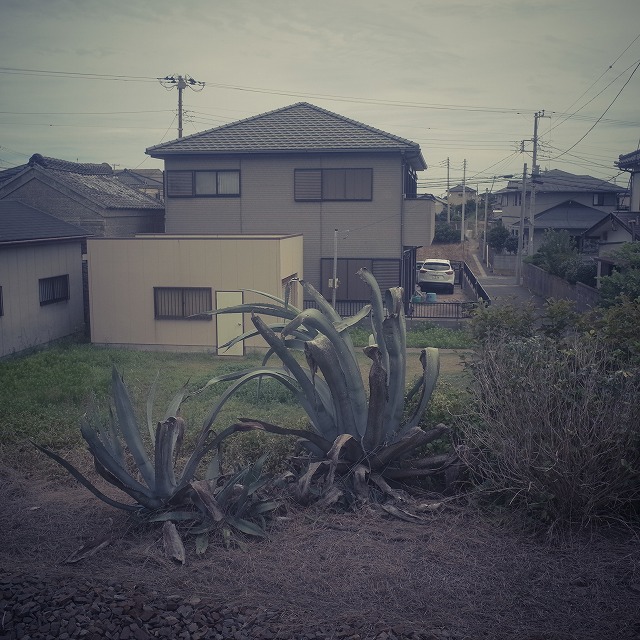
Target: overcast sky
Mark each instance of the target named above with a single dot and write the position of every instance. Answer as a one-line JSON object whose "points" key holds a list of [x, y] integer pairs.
{"points": [[461, 78]]}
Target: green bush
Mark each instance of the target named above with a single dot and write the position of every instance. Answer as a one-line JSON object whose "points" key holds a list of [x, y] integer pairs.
{"points": [[445, 233], [506, 321], [625, 281], [424, 334], [497, 236], [555, 429]]}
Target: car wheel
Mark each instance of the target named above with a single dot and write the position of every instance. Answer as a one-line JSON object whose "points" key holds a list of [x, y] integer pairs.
{"points": [[452, 288]]}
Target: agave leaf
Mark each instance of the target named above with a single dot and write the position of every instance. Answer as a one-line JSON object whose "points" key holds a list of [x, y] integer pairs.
{"points": [[330, 498], [414, 438], [360, 486], [304, 483], [347, 323], [263, 507], [83, 481], [105, 458], [320, 354], [173, 547], [334, 455], [167, 435], [276, 299], [143, 499], [322, 417], [175, 516], [129, 428], [202, 542], [245, 526], [377, 314], [214, 469], [176, 402], [346, 357], [378, 399], [150, 401], [430, 359], [204, 493], [226, 537], [394, 335]]}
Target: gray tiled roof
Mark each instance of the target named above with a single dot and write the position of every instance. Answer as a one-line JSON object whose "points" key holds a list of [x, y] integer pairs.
{"points": [[94, 181], [299, 127], [569, 215], [83, 168], [20, 223], [628, 160], [556, 180]]}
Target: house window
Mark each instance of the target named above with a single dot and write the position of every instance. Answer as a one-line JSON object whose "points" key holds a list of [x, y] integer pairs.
{"points": [[203, 184], [598, 199], [333, 184], [183, 303], [54, 289]]}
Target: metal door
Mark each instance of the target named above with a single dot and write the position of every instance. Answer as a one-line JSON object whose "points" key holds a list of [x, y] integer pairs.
{"points": [[229, 325]]}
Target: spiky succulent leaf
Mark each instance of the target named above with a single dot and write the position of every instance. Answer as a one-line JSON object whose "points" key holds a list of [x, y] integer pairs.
{"points": [[83, 481], [129, 428]]}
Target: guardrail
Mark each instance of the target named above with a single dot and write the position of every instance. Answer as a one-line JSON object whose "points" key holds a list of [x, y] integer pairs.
{"points": [[448, 310]]}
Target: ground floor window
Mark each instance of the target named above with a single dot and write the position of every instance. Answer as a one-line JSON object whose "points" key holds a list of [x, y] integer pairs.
{"points": [[55, 289], [181, 303]]}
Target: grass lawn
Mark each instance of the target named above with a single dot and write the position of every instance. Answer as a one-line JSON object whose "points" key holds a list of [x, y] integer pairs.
{"points": [[43, 395]]}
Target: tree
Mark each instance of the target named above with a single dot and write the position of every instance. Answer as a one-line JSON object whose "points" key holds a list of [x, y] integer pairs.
{"points": [[511, 244], [497, 236], [625, 281]]}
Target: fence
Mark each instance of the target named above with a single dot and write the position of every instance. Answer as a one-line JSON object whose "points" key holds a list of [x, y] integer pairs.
{"points": [[548, 286]]}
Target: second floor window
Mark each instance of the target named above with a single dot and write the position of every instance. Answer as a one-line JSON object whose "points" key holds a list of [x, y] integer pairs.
{"points": [[333, 184], [203, 184]]}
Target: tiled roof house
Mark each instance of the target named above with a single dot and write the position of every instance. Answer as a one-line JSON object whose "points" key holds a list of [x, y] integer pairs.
{"points": [[85, 194], [303, 169], [41, 284]]}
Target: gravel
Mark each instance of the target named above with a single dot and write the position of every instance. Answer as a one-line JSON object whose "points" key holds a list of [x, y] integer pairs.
{"points": [[33, 608]]}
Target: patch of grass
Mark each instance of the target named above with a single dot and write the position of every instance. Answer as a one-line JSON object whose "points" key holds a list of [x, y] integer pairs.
{"points": [[425, 334]]}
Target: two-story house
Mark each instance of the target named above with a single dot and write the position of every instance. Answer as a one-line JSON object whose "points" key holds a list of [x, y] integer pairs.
{"points": [[349, 188], [556, 187]]}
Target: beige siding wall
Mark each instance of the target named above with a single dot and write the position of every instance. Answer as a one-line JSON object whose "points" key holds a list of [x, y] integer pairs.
{"points": [[25, 323], [267, 205], [419, 222], [123, 273]]}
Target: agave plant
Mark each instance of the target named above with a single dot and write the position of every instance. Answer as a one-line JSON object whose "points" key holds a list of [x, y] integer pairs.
{"points": [[160, 492], [364, 432]]}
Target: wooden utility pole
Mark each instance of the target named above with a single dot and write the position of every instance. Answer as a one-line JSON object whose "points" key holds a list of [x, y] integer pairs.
{"points": [[535, 172], [464, 199]]}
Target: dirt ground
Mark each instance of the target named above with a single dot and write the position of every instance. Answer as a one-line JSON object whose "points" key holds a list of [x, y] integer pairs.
{"points": [[455, 573]]}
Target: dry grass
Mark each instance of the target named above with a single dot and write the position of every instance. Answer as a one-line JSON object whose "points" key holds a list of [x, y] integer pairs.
{"points": [[456, 570]]}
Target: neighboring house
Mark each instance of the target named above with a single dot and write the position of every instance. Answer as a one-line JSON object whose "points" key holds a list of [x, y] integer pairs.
{"points": [[88, 195], [555, 187], [631, 162], [570, 216], [610, 234], [461, 193], [147, 292], [147, 181], [41, 290], [439, 204], [349, 188]]}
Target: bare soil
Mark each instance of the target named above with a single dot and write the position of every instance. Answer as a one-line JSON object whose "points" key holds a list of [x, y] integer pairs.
{"points": [[456, 573]]}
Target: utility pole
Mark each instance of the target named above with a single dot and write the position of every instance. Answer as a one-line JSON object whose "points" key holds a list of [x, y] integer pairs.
{"points": [[521, 229], [477, 190], [448, 198], [484, 233], [181, 83], [464, 200]]}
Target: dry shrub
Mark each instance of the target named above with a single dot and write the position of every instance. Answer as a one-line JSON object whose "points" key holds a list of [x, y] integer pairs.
{"points": [[556, 428]]}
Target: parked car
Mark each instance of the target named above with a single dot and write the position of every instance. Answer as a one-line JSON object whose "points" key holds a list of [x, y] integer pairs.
{"points": [[436, 273]]}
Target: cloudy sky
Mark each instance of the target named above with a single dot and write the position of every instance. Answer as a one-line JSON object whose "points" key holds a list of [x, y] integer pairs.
{"points": [[463, 78]]}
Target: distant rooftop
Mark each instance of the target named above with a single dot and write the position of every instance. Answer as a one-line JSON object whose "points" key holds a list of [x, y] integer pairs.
{"points": [[561, 181], [96, 182]]}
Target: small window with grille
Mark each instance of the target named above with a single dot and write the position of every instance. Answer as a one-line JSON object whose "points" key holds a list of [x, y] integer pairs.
{"points": [[181, 303], [54, 289]]}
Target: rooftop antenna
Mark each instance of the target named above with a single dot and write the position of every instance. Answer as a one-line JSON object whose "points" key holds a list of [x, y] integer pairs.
{"points": [[181, 82]]}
